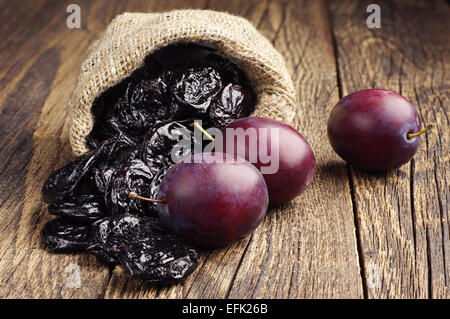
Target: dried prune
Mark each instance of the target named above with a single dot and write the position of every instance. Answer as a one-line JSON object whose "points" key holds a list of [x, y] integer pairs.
{"points": [[85, 186], [172, 140], [232, 103], [63, 181], [153, 94], [158, 162], [102, 177], [161, 258], [177, 82], [111, 233], [82, 208], [143, 247], [133, 176], [114, 147], [154, 188], [196, 87], [112, 154], [101, 110], [115, 151], [67, 179], [144, 104], [99, 133], [61, 235]]}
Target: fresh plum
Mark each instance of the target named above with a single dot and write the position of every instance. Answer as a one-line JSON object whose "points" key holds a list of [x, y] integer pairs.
{"points": [[283, 156], [212, 199], [375, 130]]}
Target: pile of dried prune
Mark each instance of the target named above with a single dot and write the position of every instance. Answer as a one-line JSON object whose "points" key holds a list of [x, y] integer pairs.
{"points": [[179, 82], [138, 125]]}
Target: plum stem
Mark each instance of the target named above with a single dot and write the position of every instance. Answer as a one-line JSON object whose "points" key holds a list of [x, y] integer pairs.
{"points": [[201, 129], [134, 195], [411, 135]]}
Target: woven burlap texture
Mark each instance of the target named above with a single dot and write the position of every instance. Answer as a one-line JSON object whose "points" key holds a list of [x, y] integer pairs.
{"points": [[132, 36]]}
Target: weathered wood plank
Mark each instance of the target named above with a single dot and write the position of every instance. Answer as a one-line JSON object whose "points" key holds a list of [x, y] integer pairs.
{"points": [[428, 85], [306, 249], [34, 143], [34, 273], [403, 214]]}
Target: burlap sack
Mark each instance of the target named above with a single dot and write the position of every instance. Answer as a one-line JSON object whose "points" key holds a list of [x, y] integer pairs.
{"points": [[132, 36]]}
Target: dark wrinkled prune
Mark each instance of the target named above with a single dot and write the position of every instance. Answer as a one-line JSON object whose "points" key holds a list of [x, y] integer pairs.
{"points": [[62, 235], [196, 87], [117, 150], [63, 181], [232, 103], [156, 255], [112, 154], [154, 96], [115, 146], [133, 176], [154, 188], [162, 258], [158, 162], [177, 82], [143, 247], [76, 176], [144, 104], [111, 233], [82, 208], [102, 177], [85, 186], [101, 132], [166, 139], [101, 110]]}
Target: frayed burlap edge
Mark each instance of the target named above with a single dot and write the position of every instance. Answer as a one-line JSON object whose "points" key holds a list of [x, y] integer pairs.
{"points": [[132, 36]]}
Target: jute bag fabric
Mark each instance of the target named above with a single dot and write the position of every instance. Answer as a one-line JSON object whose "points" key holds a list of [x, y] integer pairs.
{"points": [[132, 36]]}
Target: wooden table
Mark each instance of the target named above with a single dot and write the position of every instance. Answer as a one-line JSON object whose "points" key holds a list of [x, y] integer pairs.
{"points": [[350, 235]]}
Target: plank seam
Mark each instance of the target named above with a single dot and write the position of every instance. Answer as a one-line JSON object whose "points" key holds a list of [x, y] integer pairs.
{"points": [[352, 191], [427, 234], [413, 209], [238, 267], [441, 215], [358, 236], [110, 274]]}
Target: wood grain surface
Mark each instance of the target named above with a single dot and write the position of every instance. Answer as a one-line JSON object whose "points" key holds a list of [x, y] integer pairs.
{"points": [[350, 235], [402, 215]]}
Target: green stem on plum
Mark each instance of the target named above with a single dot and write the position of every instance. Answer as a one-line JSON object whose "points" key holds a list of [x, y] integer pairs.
{"points": [[134, 195], [411, 135], [201, 129]]}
